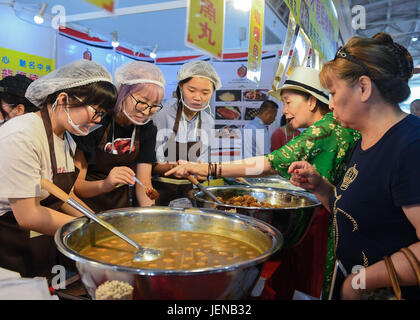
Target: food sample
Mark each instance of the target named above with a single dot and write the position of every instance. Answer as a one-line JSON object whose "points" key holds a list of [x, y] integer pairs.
{"points": [[182, 250], [152, 193], [247, 201], [114, 290], [252, 202]]}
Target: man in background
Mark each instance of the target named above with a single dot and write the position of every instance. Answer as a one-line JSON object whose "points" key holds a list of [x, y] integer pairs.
{"points": [[255, 137], [415, 107]]}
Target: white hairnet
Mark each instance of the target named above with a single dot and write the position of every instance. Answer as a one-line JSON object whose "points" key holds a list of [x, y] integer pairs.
{"points": [[138, 72], [199, 68], [74, 74]]}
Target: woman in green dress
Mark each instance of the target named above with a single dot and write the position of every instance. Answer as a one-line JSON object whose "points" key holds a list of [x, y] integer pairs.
{"points": [[324, 144]]}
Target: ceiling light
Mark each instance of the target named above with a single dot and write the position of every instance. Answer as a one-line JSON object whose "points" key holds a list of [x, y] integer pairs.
{"points": [[243, 5], [153, 54], [414, 39], [115, 42], [39, 19]]}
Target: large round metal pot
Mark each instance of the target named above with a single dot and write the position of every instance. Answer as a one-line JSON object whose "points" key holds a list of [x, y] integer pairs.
{"points": [[292, 221], [227, 282]]}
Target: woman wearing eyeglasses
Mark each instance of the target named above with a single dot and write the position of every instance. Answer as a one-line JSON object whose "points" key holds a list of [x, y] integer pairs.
{"points": [[37, 145], [185, 129], [125, 145]]}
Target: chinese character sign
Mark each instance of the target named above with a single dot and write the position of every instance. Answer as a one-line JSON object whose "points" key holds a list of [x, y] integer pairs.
{"points": [[256, 27], [205, 26], [15, 62], [104, 4]]}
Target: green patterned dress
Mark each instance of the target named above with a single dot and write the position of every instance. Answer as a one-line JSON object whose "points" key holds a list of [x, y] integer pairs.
{"points": [[325, 145]]}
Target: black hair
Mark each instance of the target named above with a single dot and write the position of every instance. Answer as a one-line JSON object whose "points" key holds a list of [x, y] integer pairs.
{"points": [[16, 100], [268, 105], [389, 65], [12, 91], [178, 90], [100, 93]]}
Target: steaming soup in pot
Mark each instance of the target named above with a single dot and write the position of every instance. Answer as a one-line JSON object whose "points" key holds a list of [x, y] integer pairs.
{"points": [[182, 250]]}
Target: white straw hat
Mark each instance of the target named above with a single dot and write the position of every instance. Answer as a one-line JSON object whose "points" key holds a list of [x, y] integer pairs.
{"points": [[304, 79]]}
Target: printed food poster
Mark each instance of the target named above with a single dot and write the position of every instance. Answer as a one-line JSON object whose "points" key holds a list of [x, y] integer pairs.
{"points": [[250, 113], [255, 95], [228, 113], [237, 103], [225, 131], [228, 95]]}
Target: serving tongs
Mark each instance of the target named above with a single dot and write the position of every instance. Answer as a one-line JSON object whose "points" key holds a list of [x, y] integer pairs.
{"points": [[204, 189], [243, 180], [142, 254]]}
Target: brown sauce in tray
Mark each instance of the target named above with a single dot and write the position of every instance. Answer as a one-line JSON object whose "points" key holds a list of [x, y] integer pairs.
{"points": [[182, 250]]}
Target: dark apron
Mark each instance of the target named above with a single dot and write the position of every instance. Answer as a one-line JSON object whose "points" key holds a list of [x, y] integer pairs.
{"points": [[171, 188], [120, 197], [35, 256]]}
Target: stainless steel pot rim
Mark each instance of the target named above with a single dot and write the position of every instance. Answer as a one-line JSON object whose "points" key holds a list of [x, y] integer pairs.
{"points": [[62, 234], [294, 192]]}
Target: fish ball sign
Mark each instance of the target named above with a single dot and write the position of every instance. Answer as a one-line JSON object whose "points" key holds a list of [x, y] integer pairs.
{"points": [[205, 26]]}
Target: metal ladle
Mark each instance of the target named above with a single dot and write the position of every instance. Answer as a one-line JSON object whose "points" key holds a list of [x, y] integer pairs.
{"points": [[142, 254]]}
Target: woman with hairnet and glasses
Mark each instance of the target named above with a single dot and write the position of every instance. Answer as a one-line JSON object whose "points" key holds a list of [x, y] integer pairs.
{"points": [[184, 130], [37, 145], [125, 145]]}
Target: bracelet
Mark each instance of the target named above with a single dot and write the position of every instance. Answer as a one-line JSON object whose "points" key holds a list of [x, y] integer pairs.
{"points": [[393, 277], [415, 264]]}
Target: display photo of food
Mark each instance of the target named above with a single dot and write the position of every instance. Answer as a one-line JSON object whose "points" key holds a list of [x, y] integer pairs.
{"points": [[228, 113], [255, 95], [250, 113], [227, 131], [228, 95]]}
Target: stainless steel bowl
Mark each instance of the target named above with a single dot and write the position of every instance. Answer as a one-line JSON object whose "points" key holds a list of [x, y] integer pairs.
{"points": [[272, 181], [227, 282], [292, 221]]}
